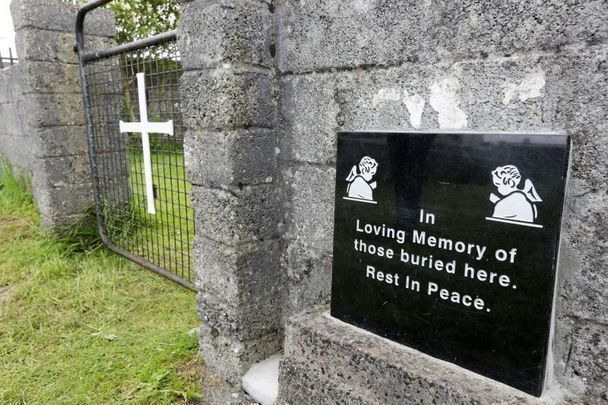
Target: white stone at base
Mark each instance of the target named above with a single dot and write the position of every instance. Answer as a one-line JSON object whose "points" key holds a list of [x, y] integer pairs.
{"points": [[262, 380]]}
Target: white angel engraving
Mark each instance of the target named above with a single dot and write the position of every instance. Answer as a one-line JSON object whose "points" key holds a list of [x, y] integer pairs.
{"points": [[513, 203], [359, 186]]}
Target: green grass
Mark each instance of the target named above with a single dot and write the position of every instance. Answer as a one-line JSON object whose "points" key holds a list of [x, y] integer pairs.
{"points": [[79, 324], [163, 238]]}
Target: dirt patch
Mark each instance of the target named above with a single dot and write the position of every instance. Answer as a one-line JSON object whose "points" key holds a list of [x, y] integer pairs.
{"points": [[5, 292], [191, 371], [217, 392]]}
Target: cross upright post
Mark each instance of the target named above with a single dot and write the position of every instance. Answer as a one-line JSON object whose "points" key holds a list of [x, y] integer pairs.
{"points": [[145, 128]]}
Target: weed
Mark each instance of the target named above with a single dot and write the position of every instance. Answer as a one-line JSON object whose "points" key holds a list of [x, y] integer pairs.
{"points": [[81, 236]]}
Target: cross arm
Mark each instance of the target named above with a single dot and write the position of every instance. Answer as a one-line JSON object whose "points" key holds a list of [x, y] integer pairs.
{"points": [[149, 127]]}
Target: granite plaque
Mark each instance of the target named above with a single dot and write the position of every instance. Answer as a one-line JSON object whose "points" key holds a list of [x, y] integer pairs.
{"points": [[448, 242]]}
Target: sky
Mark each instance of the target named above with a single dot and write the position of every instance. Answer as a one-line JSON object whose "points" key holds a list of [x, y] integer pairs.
{"points": [[7, 35]]}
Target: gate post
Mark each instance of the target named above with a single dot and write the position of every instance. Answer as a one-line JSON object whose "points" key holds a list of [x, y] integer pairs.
{"points": [[53, 130], [231, 152]]}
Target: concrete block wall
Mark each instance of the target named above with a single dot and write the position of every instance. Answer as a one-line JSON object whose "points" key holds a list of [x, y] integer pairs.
{"points": [[486, 65], [268, 85], [331, 362], [12, 142], [228, 103], [42, 131]]}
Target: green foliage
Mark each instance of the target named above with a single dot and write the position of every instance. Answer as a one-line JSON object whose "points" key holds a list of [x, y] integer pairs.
{"points": [[137, 19], [121, 224], [15, 191], [81, 236], [88, 327]]}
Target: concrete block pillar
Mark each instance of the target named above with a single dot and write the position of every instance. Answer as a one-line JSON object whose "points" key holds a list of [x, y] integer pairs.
{"points": [[231, 152], [53, 126]]}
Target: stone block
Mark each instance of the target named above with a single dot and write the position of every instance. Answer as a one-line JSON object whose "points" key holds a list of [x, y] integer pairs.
{"points": [[309, 203], [44, 110], [60, 141], [214, 33], [495, 27], [579, 104], [51, 77], [10, 119], [309, 114], [107, 136], [584, 255], [240, 287], [507, 94], [59, 16], [322, 35], [230, 158], [61, 205], [225, 98], [389, 98], [53, 46], [61, 171], [233, 215], [17, 150], [310, 192], [589, 361], [105, 79], [499, 95], [296, 387], [309, 276], [231, 358], [328, 361], [112, 169], [10, 84]]}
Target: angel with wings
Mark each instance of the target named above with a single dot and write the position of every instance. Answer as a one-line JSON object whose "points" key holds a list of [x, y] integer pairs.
{"points": [[513, 204]]}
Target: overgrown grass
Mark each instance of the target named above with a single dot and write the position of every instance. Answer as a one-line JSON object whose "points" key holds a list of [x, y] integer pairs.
{"points": [[79, 324]]}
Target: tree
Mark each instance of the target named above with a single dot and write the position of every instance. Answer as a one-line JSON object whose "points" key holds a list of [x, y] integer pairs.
{"points": [[138, 19]]}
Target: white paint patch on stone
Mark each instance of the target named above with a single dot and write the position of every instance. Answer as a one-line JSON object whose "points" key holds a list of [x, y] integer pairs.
{"points": [[531, 87], [415, 106], [386, 94], [262, 381], [445, 101], [364, 5], [362, 39]]}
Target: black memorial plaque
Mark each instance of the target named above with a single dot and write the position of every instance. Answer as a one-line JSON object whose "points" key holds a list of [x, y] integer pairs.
{"points": [[448, 243]]}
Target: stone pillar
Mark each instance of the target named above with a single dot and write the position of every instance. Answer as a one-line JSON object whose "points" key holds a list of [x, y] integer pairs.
{"points": [[53, 117], [230, 145]]}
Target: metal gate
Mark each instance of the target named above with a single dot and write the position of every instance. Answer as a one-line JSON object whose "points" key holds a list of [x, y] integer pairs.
{"points": [[135, 139]]}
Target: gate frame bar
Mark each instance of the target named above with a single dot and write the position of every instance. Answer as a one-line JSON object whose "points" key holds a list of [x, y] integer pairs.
{"points": [[85, 58]]}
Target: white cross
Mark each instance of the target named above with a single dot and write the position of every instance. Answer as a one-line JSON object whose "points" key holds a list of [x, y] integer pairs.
{"points": [[144, 127]]}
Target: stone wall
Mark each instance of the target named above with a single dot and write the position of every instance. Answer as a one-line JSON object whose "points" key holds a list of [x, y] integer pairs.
{"points": [[228, 104], [330, 362], [13, 141], [268, 85], [481, 65], [42, 127]]}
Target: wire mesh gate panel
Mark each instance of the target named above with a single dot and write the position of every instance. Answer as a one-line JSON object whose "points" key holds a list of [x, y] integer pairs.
{"points": [[135, 133]]}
